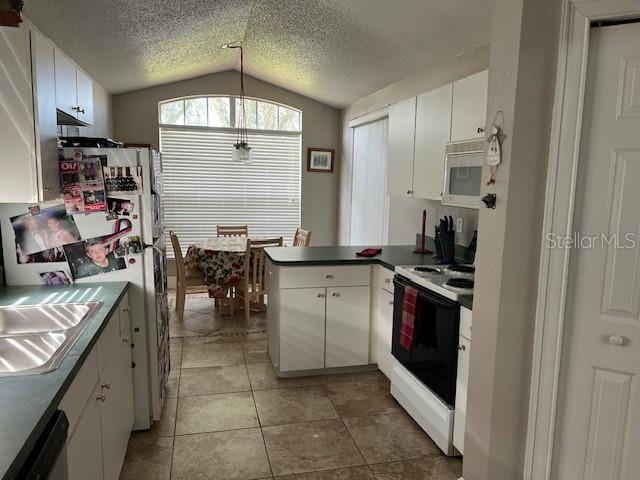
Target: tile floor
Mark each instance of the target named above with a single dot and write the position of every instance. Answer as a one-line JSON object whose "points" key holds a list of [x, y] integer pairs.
{"points": [[229, 418]]}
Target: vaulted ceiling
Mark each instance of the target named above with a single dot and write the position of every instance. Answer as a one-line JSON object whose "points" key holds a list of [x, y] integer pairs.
{"points": [[334, 51]]}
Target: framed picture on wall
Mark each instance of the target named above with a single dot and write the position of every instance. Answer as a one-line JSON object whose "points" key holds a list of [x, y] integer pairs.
{"points": [[320, 160]]}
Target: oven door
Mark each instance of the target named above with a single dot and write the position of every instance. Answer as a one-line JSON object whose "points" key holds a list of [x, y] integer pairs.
{"points": [[434, 355], [463, 179]]}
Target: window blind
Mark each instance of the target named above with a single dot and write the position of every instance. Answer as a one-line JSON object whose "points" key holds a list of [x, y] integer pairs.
{"points": [[204, 188]]}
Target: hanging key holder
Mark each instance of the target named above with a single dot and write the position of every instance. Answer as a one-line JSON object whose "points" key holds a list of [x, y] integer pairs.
{"points": [[495, 140]]}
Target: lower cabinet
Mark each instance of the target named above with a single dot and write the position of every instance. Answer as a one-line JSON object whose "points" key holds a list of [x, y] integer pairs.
{"points": [[462, 379], [384, 331], [347, 321], [100, 425], [323, 326]]}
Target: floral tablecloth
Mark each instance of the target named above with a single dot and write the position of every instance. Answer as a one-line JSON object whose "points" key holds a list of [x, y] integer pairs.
{"points": [[222, 261]]}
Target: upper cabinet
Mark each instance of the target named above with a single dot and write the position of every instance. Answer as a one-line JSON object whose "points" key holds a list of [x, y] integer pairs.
{"points": [[420, 127], [401, 147], [433, 131], [74, 89], [18, 182], [469, 106]]}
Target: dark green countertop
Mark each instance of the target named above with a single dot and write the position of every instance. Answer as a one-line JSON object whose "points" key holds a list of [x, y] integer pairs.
{"points": [[466, 301], [28, 402], [391, 256]]}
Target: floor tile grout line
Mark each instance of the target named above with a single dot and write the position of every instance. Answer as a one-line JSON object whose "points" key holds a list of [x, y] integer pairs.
{"points": [[175, 420]]}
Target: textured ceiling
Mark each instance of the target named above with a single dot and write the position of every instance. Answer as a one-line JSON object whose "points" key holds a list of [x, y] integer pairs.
{"points": [[335, 51]]}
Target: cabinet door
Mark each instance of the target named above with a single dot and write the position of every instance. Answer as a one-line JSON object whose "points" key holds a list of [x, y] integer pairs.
{"points": [[302, 317], [44, 92], [385, 331], [66, 84], [402, 127], [469, 106], [85, 97], [347, 334], [461, 393], [116, 410], [433, 131], [18, 182], [84, 448]]}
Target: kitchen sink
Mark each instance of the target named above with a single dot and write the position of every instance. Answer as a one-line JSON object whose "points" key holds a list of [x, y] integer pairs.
{"points": [[36, 338]]}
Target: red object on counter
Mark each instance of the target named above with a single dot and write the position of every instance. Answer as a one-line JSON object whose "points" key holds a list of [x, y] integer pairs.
{"points": [[369, 252], [423, 237]]}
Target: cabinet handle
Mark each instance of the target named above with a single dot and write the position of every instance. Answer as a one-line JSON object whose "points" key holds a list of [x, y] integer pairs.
{"points": [[321, 295], [125, 309], [387, 280], [78, 109], [480, 129], [101, 398], [335, 294], [106, 385], [617, 341], [390, 302], [125, 340], [329, 276], [462, 347], [410, 192]]}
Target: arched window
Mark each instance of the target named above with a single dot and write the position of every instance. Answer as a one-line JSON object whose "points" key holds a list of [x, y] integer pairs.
{"points": [[204, 188]]}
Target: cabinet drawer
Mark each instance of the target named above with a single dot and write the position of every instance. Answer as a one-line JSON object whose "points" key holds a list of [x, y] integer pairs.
{"points": [[110, 335], [80, 389], [332, 276], [386, 280], [465, 323]]}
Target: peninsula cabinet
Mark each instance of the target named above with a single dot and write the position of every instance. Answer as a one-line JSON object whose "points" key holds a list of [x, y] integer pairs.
{"points": [[318, 317], [99, 404]]}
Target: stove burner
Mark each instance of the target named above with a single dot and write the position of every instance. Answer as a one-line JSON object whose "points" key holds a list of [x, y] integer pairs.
{"points": [[426, 269], [462, 268], [459, 283]]}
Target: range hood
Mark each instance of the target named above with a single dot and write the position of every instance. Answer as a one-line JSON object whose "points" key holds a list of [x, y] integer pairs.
{"points": [[66, 119]]}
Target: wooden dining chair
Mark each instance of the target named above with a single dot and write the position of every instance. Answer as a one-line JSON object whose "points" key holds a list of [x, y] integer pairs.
{"points": [[190, 281], [233, 231], [302, 238], [253, 286]]}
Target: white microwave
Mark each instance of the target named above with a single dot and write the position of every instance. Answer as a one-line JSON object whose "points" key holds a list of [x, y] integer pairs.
{"points": [[463, 173]]}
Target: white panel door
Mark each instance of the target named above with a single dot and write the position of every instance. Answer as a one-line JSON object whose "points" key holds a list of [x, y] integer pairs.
{"points": [[402, 128], [347, 334], [598, 421], [18, 182], [469, 106], [384, 332], [66, 84], [84, 87], [302, 316], [84, 448], [433, 131]]}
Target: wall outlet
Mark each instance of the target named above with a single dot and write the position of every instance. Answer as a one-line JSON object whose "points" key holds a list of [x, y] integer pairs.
{"points": [[458, 225]]}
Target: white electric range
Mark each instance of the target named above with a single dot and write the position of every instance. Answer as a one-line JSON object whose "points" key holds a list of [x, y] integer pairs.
{"points": [[450, 281]]}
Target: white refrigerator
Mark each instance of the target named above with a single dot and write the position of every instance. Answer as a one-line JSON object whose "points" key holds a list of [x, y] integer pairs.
{"points": [[134, 176]]}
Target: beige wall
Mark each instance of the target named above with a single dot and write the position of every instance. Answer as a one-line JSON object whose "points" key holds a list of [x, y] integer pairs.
{"points": [[405, 214], [136, 120], [521, 84]]}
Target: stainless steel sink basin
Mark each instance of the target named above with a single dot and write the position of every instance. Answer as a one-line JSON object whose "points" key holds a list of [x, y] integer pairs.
{"points": [[36, 338]]}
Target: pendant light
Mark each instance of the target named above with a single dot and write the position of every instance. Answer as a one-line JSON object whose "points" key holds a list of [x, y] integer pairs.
{"points": [[241, 152]]}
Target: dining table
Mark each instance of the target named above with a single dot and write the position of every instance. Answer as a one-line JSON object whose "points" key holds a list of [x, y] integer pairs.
{"points": [[222, 261]]}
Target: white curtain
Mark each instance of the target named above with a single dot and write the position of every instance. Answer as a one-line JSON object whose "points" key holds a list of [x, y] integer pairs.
{"points": [[369, 199]]}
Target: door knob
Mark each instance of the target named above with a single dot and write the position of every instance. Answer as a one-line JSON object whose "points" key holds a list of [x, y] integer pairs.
{"points": [[617, 340]]}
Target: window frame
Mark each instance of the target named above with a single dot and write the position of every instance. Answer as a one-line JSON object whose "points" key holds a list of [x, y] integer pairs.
{"points": [[232, 114]]}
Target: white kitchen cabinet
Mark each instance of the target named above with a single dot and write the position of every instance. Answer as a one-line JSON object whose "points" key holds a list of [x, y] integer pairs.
{"points": [[302, 327], [469, 110], [74, 90], [66, 83], [400, 147], [433, 131], [84, 447], [46, 128], [84, 87], [18, 182], [99, 405], [347, 326], [384, 332], [462, 379]]}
